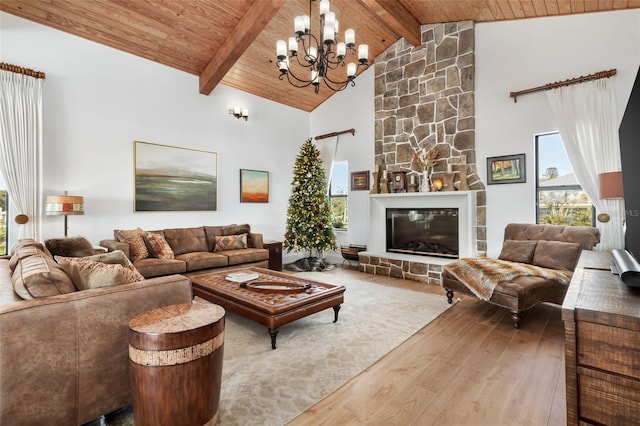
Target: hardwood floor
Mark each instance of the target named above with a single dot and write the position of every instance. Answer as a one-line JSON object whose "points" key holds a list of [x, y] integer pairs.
{"points": [[468, 367]]}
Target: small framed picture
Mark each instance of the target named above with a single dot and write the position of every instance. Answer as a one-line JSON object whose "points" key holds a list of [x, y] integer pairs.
{"points": [[360, 181], [254, 186], [506, 169]]}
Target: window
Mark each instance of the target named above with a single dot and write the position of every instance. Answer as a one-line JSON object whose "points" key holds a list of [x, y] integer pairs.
{"points": [[3, 220], [338, 195], [560, 199]]}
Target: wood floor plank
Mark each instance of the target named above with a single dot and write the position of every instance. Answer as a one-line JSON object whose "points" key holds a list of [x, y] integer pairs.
{"points": [[467, 367]]}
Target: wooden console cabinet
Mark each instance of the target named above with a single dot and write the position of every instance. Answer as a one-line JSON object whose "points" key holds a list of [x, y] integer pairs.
{"points": [[275, 254], [602, 345]]}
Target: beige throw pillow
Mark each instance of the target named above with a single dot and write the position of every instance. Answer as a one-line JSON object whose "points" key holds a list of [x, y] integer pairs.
{"points": [[87, 274]]}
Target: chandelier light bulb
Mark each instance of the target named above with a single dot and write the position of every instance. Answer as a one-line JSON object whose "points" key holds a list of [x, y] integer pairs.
{"points": [[328, 34], [351, 69], [307, 23], [281, 49], [298, 23], [363, 53], [313, 54], [350, 37], [341, 50], [293, 46], [324, 6]]}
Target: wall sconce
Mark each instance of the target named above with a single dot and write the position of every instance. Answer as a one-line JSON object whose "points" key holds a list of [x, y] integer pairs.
{"points": [[64, 205], [610, 189], [238, 112]]}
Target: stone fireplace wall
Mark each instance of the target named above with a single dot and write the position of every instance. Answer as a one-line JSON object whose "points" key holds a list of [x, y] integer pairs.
{"points": [[424, 98]]}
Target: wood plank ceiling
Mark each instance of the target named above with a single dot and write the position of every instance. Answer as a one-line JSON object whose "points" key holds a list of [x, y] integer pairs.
{"points": [[232, 42]]}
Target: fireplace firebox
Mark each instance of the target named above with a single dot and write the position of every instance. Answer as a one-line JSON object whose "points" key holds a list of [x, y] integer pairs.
{"points": [[423, 231]]}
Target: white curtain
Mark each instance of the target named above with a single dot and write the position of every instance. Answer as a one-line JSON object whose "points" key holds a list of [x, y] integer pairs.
{"points": [[21, 146], [587, 120], [327, 148]]}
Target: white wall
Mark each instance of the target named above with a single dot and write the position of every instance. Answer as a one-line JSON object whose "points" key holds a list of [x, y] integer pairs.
{"points": [[98, 100], [516, 55], [352, 108]]}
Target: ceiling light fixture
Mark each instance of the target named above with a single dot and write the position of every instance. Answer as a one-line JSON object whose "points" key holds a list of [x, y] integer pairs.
{"points": [[321, 54], [238, 112]]}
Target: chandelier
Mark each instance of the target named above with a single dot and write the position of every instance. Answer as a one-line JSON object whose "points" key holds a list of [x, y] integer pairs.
{"points": [[320, 56]]}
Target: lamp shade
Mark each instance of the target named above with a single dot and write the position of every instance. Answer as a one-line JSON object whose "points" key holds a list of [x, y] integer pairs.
{"points": [[610, 185], [64, 205]]}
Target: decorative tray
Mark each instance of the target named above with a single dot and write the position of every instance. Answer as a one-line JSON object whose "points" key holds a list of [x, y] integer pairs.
{"points": [[275, 286]]}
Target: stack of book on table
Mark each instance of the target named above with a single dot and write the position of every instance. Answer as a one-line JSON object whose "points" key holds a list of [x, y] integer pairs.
{"points": [[242, 276]]}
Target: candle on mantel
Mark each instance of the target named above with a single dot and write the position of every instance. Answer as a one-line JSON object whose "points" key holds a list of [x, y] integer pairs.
{"points": [[413, 179], [449, 168], [463, 160], [384, 174], [377, 168]]}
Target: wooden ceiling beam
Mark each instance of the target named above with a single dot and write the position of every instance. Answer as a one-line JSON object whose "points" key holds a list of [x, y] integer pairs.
{"points": [[395, 16], [241, 37]]}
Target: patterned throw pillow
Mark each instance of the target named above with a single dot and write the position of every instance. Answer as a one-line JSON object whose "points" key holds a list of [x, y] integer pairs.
{"points": [[87, 274], [231, 242], [158, 246], [135, 239]]}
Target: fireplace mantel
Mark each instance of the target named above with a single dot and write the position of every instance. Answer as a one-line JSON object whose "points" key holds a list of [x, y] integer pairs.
{"points": [[464, 201]]}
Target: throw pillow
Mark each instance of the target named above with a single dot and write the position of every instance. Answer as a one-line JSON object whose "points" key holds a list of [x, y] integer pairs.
{"points": [[135, 239], [39, 276], [70, 247], [518, 250], [158, 246], [231, 242], [556, 255], [87, 274]]}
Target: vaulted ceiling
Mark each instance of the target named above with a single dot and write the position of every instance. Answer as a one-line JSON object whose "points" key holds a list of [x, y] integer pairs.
{"points": [[232, 42]]}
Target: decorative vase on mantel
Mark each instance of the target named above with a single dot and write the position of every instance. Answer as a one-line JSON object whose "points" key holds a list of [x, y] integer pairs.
{"points": [[425, 185]]}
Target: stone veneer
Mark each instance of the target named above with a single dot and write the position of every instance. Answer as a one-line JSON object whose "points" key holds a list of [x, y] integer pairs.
{"points": [[424, 98], [405, 269]]}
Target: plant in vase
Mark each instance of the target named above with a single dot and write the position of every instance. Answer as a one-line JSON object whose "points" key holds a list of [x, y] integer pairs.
{"points": [[425, 159]]}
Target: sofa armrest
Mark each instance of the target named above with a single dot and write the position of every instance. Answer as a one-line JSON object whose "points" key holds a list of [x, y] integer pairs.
{"points": [[113, 245], [77, 344], [255, 240]]}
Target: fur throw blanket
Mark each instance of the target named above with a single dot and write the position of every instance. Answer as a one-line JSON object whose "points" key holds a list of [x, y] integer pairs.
{"points": [[482, 275]]}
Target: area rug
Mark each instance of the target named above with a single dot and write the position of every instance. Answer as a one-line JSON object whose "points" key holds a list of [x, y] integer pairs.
{"points": [[315, 356]]}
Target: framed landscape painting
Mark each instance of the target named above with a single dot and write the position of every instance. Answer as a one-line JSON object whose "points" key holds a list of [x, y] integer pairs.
{"points": [[506, 169], [254, 186], [360, 181], [169, 178]]}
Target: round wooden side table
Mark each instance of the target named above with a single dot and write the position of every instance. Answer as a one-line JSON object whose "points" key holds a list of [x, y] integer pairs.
{"points": [[175, 357]]}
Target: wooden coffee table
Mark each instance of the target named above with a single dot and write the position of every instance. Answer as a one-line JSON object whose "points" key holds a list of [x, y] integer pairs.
{"points": [[283, 299]]}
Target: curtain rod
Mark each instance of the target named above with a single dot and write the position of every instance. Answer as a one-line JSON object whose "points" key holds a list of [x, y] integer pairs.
{"points": [[21, 70], [569, 82], [329, 135]]}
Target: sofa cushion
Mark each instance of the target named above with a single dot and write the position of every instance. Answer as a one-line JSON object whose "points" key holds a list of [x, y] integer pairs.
{"points": [[202, 260], [158, 246], [87, 274], [69, 247], [231, 242], [248, 255], [40, 276], [116, 257], [153, 267], [186, 240], [236, 229], [556, 255], [21, 253], [518, 251], [212, 232], [26, 242], [135, 239]]}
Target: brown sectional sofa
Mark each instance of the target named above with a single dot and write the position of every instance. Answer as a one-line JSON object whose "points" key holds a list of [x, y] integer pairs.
{"points": [[194, 250], [64, 353]]}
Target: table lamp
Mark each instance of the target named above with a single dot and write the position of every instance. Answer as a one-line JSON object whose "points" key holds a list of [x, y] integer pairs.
{"points": [[64, 205]]}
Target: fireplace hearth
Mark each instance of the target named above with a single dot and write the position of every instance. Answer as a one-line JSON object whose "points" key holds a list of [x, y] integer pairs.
{"points": [[423, 231]]}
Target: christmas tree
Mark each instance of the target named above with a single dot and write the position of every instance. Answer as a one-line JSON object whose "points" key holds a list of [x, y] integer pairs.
{"points": [[309, 213]]}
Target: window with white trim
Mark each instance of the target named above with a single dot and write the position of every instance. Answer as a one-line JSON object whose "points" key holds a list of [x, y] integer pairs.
{"points": [[560, 199], [338, 195]]}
